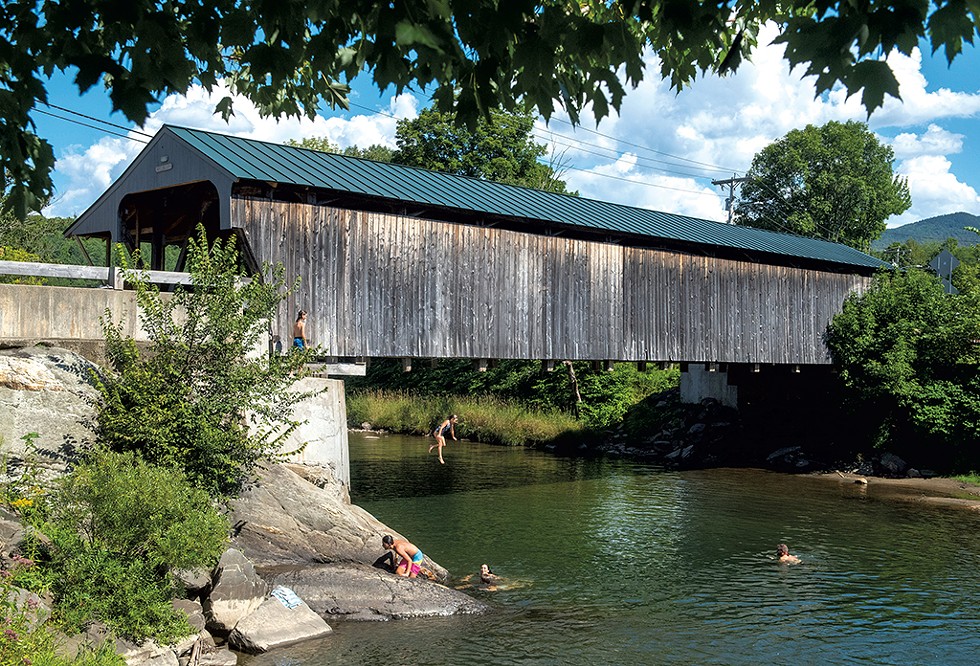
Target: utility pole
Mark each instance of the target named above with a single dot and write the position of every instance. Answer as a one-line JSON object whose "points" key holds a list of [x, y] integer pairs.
{"points": [[732, 183]]}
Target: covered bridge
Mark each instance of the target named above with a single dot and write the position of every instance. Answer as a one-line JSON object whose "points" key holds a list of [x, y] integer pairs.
{"points": [[403, 262]]}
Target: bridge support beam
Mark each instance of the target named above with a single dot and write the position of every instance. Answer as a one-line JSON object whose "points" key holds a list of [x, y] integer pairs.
{"points": [[699, 381]]}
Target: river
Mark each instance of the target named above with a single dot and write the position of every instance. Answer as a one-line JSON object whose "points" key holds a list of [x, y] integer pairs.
{"points": [[614, 562]]}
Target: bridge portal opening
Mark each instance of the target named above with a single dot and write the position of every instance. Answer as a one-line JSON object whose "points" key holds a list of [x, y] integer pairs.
{"points": [[160, 222]]}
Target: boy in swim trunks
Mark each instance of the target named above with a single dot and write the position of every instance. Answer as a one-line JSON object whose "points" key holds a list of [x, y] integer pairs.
{"points": [[299, 330], [411, 562]]}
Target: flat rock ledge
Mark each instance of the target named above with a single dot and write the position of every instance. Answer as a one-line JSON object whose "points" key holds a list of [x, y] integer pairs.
{"points": [[362, 592]]}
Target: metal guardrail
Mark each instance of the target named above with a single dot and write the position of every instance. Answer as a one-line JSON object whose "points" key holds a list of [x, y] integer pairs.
{"points": [[112, 276]]}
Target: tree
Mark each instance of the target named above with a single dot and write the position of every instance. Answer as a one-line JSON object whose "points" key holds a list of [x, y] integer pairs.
{"points": [[375, 152], [473, 56], [500, 148], [907, 354], [201, 401], [833, 182]]}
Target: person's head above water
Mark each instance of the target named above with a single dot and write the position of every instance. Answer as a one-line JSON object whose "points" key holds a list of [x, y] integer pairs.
{"points": [[387, 541], [781, 550]]}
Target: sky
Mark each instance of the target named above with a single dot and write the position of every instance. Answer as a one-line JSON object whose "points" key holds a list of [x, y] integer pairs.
{"points": [[661, 151]]}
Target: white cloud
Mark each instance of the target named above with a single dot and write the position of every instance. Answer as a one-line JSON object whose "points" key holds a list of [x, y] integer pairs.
{"points": [[627, 183], [935, 141], [919, 105], [935, 190]]}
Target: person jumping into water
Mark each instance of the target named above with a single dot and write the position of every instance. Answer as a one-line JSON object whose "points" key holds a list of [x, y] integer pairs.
{"points": [[449, 425]]}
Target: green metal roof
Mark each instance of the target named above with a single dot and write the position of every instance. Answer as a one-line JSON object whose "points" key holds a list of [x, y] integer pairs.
{"points": [[258, 160]]}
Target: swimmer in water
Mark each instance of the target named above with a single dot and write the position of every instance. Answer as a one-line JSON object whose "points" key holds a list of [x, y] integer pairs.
{"points": [[487, 576], [488, 580], [782, 554]]}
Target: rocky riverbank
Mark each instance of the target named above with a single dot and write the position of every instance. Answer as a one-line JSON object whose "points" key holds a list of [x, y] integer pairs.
{"points": [[300, 554], [710, 434]]}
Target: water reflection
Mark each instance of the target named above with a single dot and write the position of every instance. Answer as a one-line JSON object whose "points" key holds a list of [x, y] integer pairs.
{"points": [[623, 563]]}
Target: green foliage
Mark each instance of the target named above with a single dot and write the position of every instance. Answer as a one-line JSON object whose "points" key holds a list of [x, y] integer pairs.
{"points": [[23, 491], [44, 237], [204, 400], [606, 396], [26, 642], [971, 478], [484, 419], [290, 59], [500, 148], [833, 182], [16, 254], [118, 527], [375, 152], [907, 354]]}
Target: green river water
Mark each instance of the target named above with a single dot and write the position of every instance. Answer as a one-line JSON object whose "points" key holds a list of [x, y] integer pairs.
{"points": [[614, 562]]}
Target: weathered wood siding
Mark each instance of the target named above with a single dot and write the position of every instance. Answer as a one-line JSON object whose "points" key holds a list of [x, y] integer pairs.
{"points": [[388, 286]]}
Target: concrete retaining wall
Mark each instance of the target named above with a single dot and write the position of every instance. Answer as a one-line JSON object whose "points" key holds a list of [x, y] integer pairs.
{"points": [[67, 317], [324, 428]]}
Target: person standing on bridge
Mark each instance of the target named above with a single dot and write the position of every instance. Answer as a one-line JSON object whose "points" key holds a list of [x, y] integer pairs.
{"points": [[299, 330], [447, 426]]}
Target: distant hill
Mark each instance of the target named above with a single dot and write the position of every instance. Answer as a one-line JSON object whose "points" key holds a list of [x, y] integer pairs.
{"points": [[933, 229]]}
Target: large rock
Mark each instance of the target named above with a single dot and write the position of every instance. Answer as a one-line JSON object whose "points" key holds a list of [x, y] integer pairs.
{"points": [[361, 592], [147, 653], [892, 465], [217, 657], [283, 518], [48, 391], [274, 624], [237, 590]]}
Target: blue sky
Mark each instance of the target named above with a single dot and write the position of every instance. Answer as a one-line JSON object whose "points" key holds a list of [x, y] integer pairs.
{"points": [[660, 152]]}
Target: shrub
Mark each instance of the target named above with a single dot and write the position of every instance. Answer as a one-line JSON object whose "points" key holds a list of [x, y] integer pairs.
{"points": [[201, 400], [24, 641], [118, 526], [907, 354]]}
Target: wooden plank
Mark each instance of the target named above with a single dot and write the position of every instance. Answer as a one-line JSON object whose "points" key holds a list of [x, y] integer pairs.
{"points": [[393, 285]]}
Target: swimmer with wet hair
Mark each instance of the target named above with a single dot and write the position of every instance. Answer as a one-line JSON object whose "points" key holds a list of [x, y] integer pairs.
{"points": [[782, 554], [487, 576]]}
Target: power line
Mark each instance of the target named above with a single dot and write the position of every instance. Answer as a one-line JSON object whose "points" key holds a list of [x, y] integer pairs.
{"points": [[104, 122], [99, 129], [571, 168], [714, 167], [640, 182], [617, 155]]}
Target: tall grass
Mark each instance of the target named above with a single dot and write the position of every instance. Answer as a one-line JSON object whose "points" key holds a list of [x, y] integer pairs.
{"points": [[483, 419]]}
